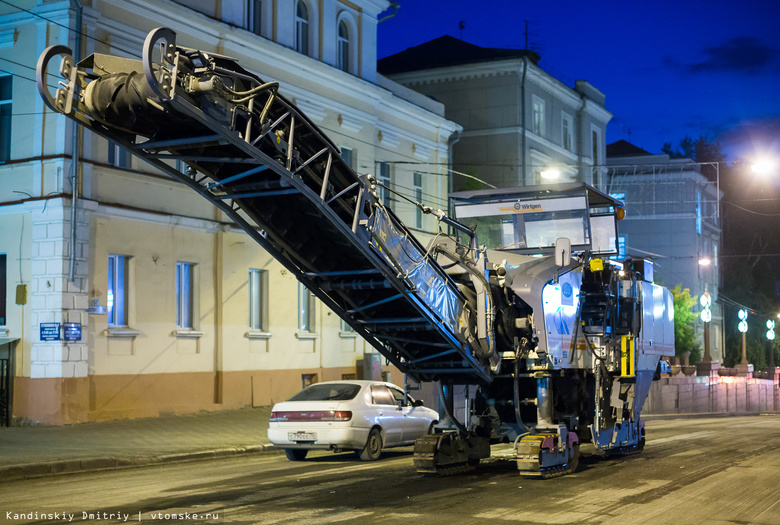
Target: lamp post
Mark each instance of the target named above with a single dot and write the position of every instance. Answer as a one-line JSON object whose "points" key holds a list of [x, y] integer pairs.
{"points": [[770, 337], [706, 317], [742, 367]]}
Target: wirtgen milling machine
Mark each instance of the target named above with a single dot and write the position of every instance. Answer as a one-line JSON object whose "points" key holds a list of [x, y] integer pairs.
{"points": [[560, 343]]}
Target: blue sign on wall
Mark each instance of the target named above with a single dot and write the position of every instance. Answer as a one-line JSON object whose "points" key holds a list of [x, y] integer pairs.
{"points": [[71, 331], [50, 331]]}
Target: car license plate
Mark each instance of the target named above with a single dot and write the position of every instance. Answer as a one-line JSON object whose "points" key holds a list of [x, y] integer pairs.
{"points": [[302, 436]]}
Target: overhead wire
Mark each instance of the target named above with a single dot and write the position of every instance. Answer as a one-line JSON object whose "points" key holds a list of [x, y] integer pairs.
{"points": [[136, 54]]}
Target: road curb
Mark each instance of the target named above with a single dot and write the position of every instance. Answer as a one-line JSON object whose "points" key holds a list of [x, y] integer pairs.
{"points": [[69, 466]]}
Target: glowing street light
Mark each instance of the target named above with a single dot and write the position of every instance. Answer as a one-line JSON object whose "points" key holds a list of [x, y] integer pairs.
{"points": [[551, 173], [763, 166], [743, 326], [705, 261]]}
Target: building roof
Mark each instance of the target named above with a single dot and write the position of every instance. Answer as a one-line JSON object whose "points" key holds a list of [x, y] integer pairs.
{"points": [[623, 148], [447, 51], [595, 196]]}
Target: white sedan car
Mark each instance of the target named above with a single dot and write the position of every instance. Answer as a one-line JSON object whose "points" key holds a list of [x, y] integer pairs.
{"points": [[364, 416]]}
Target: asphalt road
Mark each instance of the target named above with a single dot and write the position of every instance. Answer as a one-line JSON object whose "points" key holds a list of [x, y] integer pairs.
{"points": [[714, 470]]}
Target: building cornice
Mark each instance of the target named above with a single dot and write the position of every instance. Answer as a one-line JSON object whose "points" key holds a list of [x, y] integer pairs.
{"points": [[535, 75], [234, 41]]}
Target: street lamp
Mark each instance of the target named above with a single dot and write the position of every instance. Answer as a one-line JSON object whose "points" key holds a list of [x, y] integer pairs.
{"points": [[763, 166], [551, 173]]}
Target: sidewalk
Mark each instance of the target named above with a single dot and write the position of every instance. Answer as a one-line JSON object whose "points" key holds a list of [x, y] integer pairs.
{"points": [[41, 450]]}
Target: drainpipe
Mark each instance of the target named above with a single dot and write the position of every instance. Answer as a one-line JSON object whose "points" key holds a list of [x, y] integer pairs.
{"points": [[74, 179], [454, 138]]}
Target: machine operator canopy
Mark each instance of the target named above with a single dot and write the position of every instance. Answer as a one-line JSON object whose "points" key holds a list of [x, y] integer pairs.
{"points": [[529, 220]]}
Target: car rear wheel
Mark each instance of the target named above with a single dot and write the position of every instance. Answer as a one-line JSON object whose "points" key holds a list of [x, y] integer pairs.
{"points": [[295, 454], [373, 448]]}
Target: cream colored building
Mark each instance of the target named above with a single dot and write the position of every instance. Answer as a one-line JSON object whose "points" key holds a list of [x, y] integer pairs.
{"points": [[246, 334]]}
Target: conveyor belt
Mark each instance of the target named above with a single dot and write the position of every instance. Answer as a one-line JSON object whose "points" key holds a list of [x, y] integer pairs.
{"points": [[265, 165]]}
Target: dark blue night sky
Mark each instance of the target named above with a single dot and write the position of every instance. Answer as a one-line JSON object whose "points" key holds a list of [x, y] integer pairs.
{"points": [[668, 69]]}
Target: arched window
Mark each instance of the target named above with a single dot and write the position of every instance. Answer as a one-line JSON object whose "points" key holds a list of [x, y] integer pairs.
{"points": [[343, 46], [302, 28]]}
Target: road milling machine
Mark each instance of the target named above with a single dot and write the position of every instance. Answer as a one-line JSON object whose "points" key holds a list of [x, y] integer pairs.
{"points": [[521, 302]]}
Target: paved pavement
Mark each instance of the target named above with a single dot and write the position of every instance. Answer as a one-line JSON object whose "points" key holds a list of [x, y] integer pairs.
{"points": [[41, 450]]}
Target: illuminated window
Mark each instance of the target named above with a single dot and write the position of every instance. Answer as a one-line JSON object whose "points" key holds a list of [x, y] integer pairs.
{"points": [[184, 294], [117, 294], [5, 117], [306, 307], [698, 212], [258, 299], [302, 28], [343, 46]]}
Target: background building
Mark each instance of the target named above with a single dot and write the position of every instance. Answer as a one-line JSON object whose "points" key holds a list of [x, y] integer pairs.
{"points": [[673, 218], [178, 310], [518, 121]]}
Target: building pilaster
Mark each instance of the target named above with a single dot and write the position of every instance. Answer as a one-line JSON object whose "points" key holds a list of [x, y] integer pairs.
{"points": [[59, 368]]}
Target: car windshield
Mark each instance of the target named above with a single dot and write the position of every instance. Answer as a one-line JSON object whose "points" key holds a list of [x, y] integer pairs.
{"points": [[327, 392]]}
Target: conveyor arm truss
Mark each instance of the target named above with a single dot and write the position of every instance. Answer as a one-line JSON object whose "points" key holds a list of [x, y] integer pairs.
{"points": [[235, 140]]}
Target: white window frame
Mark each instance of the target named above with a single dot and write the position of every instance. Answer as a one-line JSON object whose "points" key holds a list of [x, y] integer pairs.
{"points": [[343, 48], [348, 154], [255, 16], [258, 300], [538, 116], [307, 308], [185, 295], [3, 289], [384, 176], [595, 151], [118, 156], [417, 184], [118, 291], [303, 33], [345, 330], [567, 132], [6, 110]]}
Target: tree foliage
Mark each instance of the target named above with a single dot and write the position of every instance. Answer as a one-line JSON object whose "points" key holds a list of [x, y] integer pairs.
{"points": [[698, 150], [684, 319]]}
